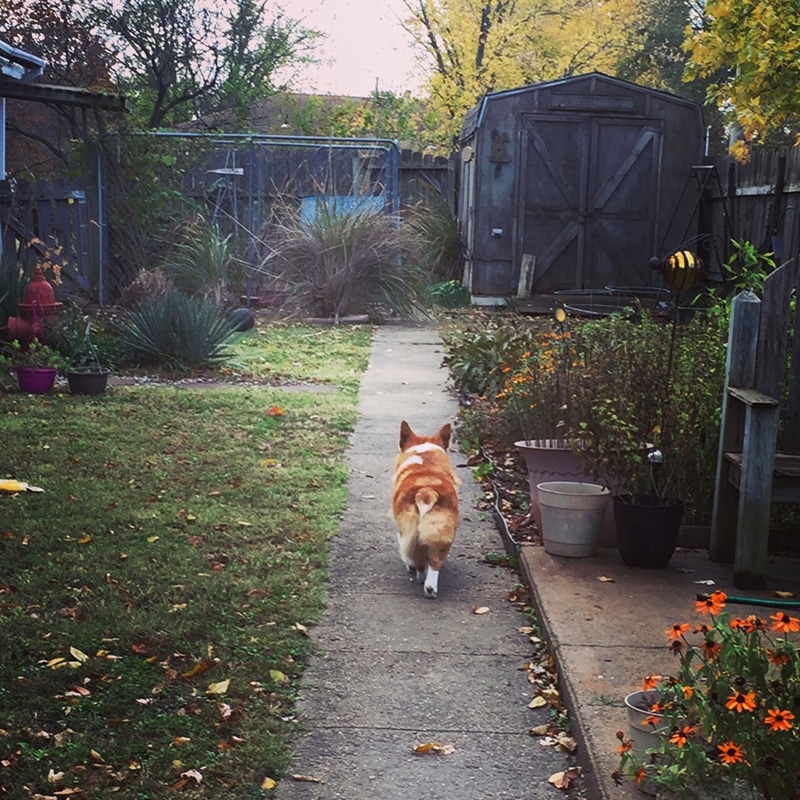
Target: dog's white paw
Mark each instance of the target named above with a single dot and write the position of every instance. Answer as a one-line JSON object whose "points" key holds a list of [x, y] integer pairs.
{"points": [[432, 583]]}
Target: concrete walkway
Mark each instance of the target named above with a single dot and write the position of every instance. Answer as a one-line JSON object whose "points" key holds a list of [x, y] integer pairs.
{"points": [[395, 669]]}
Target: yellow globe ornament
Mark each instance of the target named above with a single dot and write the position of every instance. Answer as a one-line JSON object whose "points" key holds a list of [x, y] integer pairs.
{"points": [[680, 270]]}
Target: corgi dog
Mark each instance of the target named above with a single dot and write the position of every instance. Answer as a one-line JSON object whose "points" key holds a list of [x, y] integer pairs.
{"points": [[425, 503]]}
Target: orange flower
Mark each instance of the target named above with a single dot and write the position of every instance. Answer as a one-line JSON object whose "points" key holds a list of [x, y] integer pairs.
{"points": [[712, 604], [651, 721], [640, 775], [687, 692], [778, 657], [625, 747], [783, 623], [650, 682], [779, 720], [739, 701], [681, 736], [711, 649], [730, 753], [677, 630], [743, 625]]}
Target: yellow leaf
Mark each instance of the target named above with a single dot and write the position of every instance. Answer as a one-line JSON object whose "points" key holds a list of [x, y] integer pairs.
{"points": [[152, 539], [57, 663], [268, 784], [85, 539], [306, 779], [218, 688], [78, 655], [783, 594], [191, 518], [278, 676], [537, 702], [605, 579]]}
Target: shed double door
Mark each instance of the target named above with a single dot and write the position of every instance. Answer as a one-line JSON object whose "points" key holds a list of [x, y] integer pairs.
{"points": [[588, 201]]}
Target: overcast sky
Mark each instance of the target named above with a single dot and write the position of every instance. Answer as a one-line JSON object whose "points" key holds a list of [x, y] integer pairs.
{"points": [[365, 44]]}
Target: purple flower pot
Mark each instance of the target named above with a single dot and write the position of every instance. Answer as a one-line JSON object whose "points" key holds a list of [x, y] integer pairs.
{"points": [[36, 380]]}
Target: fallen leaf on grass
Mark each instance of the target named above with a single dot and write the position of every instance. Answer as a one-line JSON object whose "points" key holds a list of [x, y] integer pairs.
{"points": [[278, 676], [433, 748], [78, 655], [218, 688], [564, 779], [268, 784], [85, 539], [199, 668]]}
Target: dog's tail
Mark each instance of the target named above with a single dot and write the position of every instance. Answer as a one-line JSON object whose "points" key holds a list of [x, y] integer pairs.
{"points": [[425, 499]]}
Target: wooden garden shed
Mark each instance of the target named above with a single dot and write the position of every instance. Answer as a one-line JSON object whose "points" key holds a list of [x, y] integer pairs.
{"points": [[582, 180]]}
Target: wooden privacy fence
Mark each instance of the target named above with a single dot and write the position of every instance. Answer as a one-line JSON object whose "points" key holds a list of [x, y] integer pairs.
{"points": [[759, 451], [44, 221]]}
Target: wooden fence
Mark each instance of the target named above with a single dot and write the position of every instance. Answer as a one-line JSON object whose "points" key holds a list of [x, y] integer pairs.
{"points": [[758, 202], [50, 223]]}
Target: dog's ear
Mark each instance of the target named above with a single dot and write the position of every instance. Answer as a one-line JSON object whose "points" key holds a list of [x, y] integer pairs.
{"points": [[405, 434], [444, 435]]}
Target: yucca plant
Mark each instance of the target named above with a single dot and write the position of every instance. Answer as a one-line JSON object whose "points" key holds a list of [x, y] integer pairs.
{"points": [[178, 332], [198, 263], [346, 263], [436, 231]]}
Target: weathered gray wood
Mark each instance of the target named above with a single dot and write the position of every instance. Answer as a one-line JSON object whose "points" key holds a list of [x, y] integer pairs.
{"points": [[791, 441], [751, 474], [755, 497], [740, 368], [771, 353]]}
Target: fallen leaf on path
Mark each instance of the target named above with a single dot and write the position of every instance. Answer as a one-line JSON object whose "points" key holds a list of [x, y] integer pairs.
{"points": [[306, 779], [480, 610], [564, 779], [268, 784], [433, 748], [783, 594], [605, 579], [537, 702]]}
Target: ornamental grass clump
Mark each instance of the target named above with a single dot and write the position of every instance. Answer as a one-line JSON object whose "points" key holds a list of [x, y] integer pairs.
{"points": [[731, 715]]}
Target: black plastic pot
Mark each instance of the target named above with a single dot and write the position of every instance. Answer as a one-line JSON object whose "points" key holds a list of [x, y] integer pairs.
{"points": [[87, 381], [647, 531]]}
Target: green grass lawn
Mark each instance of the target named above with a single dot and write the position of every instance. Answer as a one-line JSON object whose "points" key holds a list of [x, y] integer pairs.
{"points": [[154, 598]]}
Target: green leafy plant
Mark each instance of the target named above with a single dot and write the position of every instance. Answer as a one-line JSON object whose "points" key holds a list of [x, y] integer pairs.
{"points": [[35, 354], [337, 263], [12, 287], [178, 332], [199, 261], [436, 231], [747, 267], [732, 712]]}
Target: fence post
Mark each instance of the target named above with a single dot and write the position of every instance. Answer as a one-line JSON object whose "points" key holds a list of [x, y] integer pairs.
{"points": [[740, 370]]}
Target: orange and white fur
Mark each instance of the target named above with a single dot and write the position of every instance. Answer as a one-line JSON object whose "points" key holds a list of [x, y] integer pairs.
{"points": [[425, 503]]}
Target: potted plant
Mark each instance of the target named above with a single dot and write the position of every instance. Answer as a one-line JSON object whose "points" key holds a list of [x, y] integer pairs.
{"points": [[86, 372], [36, 365], [729, 717], [646, 409]]}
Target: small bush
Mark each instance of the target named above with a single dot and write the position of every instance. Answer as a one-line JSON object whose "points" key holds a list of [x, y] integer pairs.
{"points": [[178, 332], [147, 284], [439, 239], [198, 263]]}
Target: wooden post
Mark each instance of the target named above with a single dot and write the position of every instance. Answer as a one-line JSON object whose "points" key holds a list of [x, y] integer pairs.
{"points": [[526, 272], [740, 368]]}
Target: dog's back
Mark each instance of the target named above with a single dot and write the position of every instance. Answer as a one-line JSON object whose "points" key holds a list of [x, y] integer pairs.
{"points": [[425, 503]]}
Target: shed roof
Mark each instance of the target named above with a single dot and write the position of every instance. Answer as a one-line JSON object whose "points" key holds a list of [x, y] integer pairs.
{"points": [[474, 117], [18, 65]]}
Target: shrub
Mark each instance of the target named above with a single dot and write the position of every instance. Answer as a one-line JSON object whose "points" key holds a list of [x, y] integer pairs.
{"points": [[199, 261], [335, 264], [147, 284], [177, 332], [438, 238]]}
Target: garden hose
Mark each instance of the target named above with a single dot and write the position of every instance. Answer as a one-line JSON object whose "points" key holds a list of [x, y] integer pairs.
{"points": [[767, 602]]}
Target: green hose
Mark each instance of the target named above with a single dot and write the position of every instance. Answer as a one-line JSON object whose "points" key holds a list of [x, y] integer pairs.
{"points": [[756, 601]]}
